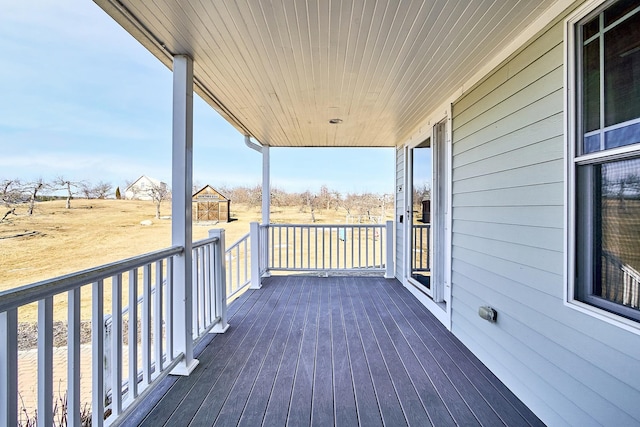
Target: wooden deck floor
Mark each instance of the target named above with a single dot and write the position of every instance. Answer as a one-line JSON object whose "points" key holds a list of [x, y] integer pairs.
{"points": [[334, 351]]}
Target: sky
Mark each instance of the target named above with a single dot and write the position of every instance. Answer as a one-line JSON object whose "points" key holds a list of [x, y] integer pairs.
{"points": [[81, 99]]}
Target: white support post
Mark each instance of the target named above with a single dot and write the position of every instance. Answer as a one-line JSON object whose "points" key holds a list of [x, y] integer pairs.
{"points": [[220, 282], [45, 361], [73, 358], [9, 368], [389, 262], [254, 232], [181, 233], [266, 186]]}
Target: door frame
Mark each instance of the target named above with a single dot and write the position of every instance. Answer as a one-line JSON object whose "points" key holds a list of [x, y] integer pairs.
{"points": [[441, 310]]}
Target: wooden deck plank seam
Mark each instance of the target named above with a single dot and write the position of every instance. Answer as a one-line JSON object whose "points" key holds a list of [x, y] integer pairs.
{"points": [[210, 351], [445, 337], [288, 307], [280, 372], [383, 304], [350, 350], [381, 352], [341, 351], [421, 393], [224, 349], [233, 367], [314, 305], [423, 349], [244, 414]]}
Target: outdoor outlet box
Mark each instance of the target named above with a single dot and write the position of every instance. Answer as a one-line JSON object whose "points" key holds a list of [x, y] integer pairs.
{"points": [[488, 313]]}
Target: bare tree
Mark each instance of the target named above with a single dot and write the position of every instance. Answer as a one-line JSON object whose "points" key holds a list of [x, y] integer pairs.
{"points": [[102, 189], [159, 192], [310, 201], [11, 192], [33, 189], [10, 195], [70, 186]]}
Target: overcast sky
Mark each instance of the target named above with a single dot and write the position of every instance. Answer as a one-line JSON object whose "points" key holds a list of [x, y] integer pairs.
{"points": [[82, 99]]}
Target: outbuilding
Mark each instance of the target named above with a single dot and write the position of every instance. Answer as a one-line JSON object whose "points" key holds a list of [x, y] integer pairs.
{"points": [[210, 205]]}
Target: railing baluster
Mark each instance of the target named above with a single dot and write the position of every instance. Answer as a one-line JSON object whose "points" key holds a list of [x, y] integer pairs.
{"points": [[360, 247], [116, 344], [9, 368], [45, 361], [97, 350], [337, 247], [133, 334], [169, 309], [202, 264], [237, 267], [157, 317], [208, 295], [194, 294], [73, 357], [146, 324]]}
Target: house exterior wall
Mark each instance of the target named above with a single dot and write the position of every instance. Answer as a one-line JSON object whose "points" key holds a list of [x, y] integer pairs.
{"points": [[508, 189], [400, 202]]}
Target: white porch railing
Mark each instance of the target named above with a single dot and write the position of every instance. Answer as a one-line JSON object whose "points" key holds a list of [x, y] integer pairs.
{"points": [[138, 361], [328, 248], [420, 243]]}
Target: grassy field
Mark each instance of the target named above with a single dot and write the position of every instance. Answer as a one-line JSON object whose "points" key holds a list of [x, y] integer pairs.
{"points": [[55, 241]]}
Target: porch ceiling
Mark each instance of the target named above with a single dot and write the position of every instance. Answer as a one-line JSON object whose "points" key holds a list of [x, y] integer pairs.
{"points": [[280, 71]]}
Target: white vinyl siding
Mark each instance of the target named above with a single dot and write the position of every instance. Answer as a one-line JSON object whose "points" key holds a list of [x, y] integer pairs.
{"points": [[399, 228], [507, 249]]}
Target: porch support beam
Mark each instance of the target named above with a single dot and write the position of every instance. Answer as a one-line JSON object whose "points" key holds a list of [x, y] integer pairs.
{"points": [[181, 232], [266, 186]]}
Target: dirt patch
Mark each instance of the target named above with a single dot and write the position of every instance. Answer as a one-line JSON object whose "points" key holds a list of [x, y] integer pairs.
{"points": [[28, 334]]}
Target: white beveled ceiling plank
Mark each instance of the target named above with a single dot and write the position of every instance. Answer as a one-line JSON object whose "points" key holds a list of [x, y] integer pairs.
{"points": [[285, 68]]}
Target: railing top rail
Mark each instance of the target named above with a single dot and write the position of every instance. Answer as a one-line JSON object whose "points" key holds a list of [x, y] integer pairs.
{"points": [[328, 225], [14, 298], [204, 242], [240, 240]]}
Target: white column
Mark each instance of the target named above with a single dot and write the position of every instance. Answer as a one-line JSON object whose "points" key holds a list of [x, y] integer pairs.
{"points": [[266, 186], [389, 262], [254, 237], [181, 233]]}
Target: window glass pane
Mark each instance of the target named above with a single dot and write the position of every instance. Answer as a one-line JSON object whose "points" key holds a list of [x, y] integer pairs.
{"points": [[591, 86], [618, 10], [622, 71], [622, 136], [617, 233], [591, 143], [591, 28]]}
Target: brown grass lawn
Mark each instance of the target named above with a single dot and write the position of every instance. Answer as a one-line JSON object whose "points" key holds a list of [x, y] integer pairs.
{"points": [[56, 241]]}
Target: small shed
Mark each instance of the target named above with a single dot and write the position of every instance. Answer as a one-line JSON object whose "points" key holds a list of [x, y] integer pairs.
{"points": [[210, 205]]}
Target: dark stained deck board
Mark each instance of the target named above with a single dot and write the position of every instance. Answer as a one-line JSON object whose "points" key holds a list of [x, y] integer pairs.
{"points": [[285, 343], [503, 402], [342, 351], [343, 387], [457, 392], [194, 388], [230, 370], [366, 400]]}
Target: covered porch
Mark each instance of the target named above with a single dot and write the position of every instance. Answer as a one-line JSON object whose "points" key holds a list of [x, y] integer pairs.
{"points": [[308, 350]]}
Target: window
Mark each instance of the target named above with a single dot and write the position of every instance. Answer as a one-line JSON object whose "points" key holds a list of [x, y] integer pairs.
{"points": [[606, 159]]}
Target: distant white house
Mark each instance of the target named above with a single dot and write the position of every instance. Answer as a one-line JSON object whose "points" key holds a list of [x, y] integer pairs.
{"points": [[141, 188]]}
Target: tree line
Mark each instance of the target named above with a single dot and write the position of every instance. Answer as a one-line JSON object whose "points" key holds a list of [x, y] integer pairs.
{"points": [[366, 206]]}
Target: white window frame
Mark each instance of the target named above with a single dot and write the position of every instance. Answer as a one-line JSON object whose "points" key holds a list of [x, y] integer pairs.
{"points": [[571, 92]]}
